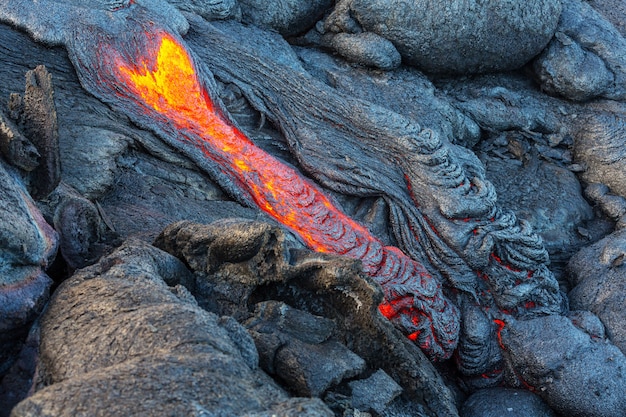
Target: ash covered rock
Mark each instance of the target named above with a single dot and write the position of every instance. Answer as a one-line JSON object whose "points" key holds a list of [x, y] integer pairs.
{"points": [[461, 37], [598, 275], [169, 356]]}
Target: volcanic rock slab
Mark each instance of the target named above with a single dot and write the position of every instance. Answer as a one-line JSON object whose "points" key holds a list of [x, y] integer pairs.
{"points": [[458, 37], [240, 263], [577, 64], [576, 373], [288, 18], [149, 346], [28, 245], [598, 274], [499, 402]]}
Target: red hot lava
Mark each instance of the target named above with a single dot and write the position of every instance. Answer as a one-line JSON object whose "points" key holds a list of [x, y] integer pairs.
{"points": [[164, 82]]}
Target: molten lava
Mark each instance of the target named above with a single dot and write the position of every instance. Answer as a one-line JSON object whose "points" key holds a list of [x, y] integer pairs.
{"points": [[166, 81]]}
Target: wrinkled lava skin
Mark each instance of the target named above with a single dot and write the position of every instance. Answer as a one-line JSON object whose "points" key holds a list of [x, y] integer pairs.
{"points": [[149, 74], [130, 54]]}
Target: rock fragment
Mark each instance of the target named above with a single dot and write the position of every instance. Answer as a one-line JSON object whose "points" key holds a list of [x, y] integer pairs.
{"points": [[374, 393], [509, 402], [301, 352], [139, 347], [28, 245], [287, 17], [598, 274], [576, 375], [599, 139], [578, 64], [36, 116], [455, 38]]}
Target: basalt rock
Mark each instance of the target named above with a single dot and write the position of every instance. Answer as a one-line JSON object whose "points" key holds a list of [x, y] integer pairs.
{"points": [[598, 274], [578, 64], [461, 37], [549, 197], [28, 245], [614, 11], [405, 91], [613, 206], [168, 356], [210, 9], [79, 224], [297, 348], [239, 263], [288, 18], [498, 402], [446, 182], [598, 144], [35, 113], [576, 373]]}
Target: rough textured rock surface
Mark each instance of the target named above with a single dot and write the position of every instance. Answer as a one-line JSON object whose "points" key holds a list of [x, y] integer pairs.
{"points": [[577, 63], [547, 196], [137, 184], [599, 145], [563, 362], [460, 37], [406, 91], [598, 275], [297, 348], [614, 11], [209, 9], [499, 402], [239, 263], [287, 17], [183, 361], [28, 245]]}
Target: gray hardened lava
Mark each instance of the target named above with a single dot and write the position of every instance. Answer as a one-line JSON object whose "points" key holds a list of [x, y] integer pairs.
{"points": [[325, 208]]}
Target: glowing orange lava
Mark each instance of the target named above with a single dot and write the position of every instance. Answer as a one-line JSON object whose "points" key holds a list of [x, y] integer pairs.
{"points": [[172, 88], [168, 84]]}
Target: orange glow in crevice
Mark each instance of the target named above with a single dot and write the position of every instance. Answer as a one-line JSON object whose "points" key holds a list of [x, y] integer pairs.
{"points": [[167, 83]]}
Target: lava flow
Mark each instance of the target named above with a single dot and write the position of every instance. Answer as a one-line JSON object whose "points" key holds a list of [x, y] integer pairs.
{"points": [[165, 83]]}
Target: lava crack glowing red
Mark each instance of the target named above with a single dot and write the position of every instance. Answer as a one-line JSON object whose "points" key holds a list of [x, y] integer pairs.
{"points": [[167, 82]]}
